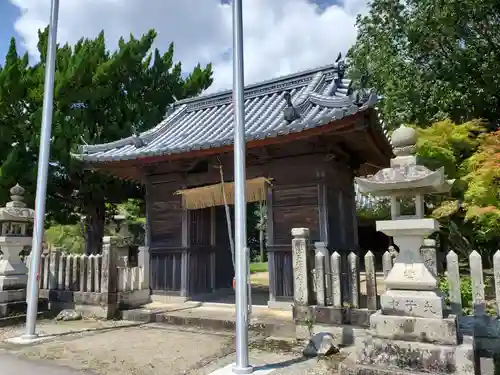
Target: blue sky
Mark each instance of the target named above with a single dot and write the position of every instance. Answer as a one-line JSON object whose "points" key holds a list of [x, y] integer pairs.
{"points": [[8, 15], [290, 33]]}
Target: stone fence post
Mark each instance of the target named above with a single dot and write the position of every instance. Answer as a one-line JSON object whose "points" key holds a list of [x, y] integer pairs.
{"points": [[55, 254], [301, 260], [144, 264], [109, 278]]}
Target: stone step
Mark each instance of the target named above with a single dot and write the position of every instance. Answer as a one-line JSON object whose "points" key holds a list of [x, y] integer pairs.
{"points": [[215, 320], [9, 309], [21, 318]]}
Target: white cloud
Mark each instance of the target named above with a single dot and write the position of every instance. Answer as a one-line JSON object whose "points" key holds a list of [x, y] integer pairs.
{"points": [[280, 36]]}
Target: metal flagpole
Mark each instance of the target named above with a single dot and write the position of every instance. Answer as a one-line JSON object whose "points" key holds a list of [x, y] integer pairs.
{"points": [[43, 168], [242, 366]]}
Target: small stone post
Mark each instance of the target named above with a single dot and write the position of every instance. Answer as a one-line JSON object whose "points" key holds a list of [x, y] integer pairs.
{"points": [[335, 277], [386, 263], [144, 264], [453, 277], [321, 248], [354, 281], [14, 237], [109, 279], [54, 268], [319, 274], [301, 272], [371, 281]]}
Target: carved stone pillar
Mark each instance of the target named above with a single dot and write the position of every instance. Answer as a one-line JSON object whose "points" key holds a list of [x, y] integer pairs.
{"points": [[301, 259]]}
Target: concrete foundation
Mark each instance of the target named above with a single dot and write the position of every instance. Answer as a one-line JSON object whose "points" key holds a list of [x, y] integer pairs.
{"points": [[400, 345], [395, 357]]}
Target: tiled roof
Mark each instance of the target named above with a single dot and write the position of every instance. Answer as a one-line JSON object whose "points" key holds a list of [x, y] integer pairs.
{"points": [[319, 96]]}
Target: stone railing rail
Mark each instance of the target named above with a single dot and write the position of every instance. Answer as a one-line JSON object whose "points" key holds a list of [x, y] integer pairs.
{"points": [[95, 284]]}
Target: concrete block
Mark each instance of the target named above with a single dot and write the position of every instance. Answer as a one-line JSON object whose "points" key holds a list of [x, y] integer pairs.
{"points": [[394, 357], [407, 328], [423, 304]]}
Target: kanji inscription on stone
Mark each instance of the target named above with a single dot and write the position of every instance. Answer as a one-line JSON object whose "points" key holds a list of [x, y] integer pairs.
{"points": [[410, 304], [428, 307]]}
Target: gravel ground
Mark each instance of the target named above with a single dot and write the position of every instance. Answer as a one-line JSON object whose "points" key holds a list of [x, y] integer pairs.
{"points": [[119, 348]]}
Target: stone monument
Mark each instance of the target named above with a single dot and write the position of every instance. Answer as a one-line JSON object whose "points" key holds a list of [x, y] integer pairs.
{"points": [[412, 332], [15, 227]]}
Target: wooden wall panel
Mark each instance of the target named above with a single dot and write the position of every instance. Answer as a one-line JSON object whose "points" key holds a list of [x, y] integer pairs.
{"points": [[295, 207], [221, 232], [295, 196], [166, 217], [166, 271], [200, 227], [199, 272], [284, 274]]}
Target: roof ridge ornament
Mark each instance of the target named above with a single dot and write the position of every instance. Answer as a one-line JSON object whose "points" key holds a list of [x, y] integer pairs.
{"points": [[361, 95], [136, 139], [341, 68], [290, 113], [170, 110]]}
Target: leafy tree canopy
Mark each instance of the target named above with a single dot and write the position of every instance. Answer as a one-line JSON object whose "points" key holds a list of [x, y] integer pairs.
{"points": [[431, 59], [100, 96], [471, 155]]}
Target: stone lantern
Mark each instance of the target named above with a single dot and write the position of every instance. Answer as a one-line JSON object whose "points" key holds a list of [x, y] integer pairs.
{"points": [[406, 179], [413, 331], [124, 240], [15, 234]]}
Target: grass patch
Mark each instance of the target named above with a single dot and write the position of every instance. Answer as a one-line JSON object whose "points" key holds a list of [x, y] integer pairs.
{"points": [[258, 267]]}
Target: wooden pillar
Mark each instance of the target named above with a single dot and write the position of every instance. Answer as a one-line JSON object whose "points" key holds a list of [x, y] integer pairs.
{"points": [[271, 266], [147, 229], [213, 258], [323, 212], [342, 215], [144, 256], [185, 254]]}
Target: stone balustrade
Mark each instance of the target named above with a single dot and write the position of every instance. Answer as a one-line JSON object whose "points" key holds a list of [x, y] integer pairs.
{"points": [[96, 284]]}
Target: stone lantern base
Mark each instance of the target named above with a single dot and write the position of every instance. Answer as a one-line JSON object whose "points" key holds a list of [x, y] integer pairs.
{"points": [[403, 345]]}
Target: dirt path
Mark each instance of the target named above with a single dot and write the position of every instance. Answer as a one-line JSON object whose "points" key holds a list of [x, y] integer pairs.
{"points": [[139, 350], [260, 278], [126, 348]]}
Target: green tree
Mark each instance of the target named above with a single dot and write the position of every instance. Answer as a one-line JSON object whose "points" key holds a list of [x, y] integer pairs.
{"points": [[16, 159], [101, 96], [431, 59], [471, 155]]}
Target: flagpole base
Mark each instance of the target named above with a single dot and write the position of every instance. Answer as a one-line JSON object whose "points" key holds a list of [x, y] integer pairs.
{"points": [[242, 370]]}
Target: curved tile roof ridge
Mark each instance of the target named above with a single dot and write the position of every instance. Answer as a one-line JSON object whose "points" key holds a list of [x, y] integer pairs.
{"points": [[287, 81], [315, 97]]}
